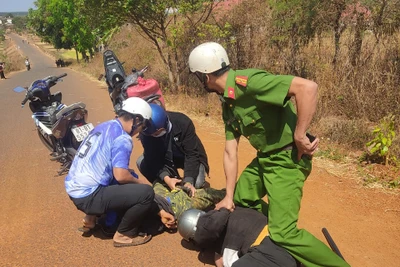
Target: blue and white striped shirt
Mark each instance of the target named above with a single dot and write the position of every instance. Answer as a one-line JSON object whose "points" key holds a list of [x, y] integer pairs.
{"points": [[106, 147]]}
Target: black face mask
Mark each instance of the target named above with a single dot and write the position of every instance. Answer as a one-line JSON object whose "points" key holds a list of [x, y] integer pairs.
{"points": [[137, 122]]}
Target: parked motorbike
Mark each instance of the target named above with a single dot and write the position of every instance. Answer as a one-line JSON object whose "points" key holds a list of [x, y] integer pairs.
{"points": [[60, 63], [61, 128], [122, 86], [28, 65]]}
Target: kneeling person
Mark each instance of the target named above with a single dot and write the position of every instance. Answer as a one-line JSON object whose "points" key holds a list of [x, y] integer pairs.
{"points": [[104, 155], [170, 143]]}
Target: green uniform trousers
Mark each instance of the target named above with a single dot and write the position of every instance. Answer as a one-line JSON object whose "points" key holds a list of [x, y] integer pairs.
{"points": [[281, 177]]}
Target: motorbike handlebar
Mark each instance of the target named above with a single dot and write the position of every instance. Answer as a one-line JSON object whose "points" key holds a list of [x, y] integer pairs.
{"points": [[62, 76], [56, 78], [53, 79], [143, 70]]}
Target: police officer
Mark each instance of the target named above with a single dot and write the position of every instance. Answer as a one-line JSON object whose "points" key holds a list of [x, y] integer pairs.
{"points": [[256, 104]]}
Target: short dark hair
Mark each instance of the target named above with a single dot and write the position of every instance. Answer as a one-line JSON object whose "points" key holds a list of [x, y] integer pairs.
{"points": [[126, 116], [221, 71]]}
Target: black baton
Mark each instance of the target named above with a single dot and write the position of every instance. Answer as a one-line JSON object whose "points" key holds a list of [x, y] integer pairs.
{"points": [[331, 242]]}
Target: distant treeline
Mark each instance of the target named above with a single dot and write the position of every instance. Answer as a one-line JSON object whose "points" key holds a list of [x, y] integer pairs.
{"points": [[14, 14]]}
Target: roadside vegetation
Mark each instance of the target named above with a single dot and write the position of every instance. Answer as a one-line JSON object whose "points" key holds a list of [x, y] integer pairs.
{"points": [[350, 48], [9, 53]]}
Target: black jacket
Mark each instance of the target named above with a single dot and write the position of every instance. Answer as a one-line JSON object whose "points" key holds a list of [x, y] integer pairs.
{"points": [[237, 231], [180, 148]]}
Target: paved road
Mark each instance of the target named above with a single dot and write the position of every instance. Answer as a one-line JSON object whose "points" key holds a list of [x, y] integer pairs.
{"points": [[39, 223]]}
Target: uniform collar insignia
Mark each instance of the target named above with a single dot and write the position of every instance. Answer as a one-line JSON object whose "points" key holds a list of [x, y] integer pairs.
{"points": [[241, 80], [231, 92]]}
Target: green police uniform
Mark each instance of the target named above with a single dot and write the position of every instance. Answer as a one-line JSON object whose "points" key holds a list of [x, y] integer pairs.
{"points": [[255, 105]]}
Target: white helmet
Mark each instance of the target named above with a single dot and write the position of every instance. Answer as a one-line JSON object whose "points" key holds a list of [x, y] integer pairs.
{"points": [[207, 58], [137, 106]]}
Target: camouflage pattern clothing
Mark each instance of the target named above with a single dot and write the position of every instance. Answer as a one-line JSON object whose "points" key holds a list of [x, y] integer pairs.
{"points": [[180, 201]]}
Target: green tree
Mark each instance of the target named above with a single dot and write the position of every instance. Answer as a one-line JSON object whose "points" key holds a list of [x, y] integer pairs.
{"points": [[163, 23], [47, 22], [75, 29], [62, 24], [330, 18], [19, 23], [293, 27]]}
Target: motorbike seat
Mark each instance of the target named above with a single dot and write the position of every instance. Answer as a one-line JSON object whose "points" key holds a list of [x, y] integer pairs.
{"points": [[66, 109], [57, 97], [45, 111], [114, 71]]}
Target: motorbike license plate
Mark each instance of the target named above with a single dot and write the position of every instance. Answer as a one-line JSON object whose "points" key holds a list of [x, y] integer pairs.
{"points": [[82, 131]]}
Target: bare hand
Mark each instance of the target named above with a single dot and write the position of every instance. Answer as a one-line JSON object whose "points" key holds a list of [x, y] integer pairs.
{"points": [[192, 189], [304, 146], [227, 203], [167, 219], [171, 182]]}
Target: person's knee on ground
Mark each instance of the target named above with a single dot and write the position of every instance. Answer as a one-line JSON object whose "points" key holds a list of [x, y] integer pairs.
{"points": [[139, 162], [201, 177], [133, 216], [143, 169], [128, 233]]}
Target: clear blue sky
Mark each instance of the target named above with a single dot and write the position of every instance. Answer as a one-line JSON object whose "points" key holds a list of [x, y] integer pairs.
{"points": [[16, 5]]}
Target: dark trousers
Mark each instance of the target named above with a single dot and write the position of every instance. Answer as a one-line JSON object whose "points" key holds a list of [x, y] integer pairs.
{"points": [[134, 201], [267, 254], [2, 75]]}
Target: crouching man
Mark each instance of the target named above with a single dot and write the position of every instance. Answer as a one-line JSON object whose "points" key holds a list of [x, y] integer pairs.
{"points": [[103, 156]]}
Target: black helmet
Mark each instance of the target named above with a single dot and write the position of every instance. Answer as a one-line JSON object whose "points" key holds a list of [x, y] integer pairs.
{"points": [[39, 90]]}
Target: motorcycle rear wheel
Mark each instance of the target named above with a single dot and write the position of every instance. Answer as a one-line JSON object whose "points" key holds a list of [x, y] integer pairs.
{"points": [[46, 142]]}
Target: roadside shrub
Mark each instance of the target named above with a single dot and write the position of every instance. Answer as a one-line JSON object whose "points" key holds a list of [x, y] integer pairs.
{"points": [[380, 147]]}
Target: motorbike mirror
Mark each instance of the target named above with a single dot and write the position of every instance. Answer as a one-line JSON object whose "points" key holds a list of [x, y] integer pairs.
{"points": [[19, 89]]}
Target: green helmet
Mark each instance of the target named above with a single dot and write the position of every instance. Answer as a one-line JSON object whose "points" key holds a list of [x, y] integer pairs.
{"points": [[187, 223]]}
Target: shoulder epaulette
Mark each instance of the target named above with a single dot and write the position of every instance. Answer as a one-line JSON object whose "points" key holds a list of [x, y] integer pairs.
{"points": [[241, 80]]}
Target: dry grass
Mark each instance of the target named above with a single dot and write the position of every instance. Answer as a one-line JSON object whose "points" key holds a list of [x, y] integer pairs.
{"points": [[352, 99], [347, 107], [12, 57]]}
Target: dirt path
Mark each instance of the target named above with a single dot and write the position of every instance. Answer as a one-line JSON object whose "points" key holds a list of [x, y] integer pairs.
{"points": [[40, 223]]}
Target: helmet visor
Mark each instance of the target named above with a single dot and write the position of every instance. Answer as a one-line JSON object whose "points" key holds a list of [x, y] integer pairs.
{"points": [[138, 125]]}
